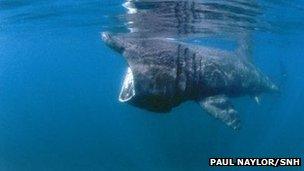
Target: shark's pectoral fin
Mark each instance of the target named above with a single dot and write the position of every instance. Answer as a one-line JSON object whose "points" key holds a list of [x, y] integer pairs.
{"points": [[220, 107]]}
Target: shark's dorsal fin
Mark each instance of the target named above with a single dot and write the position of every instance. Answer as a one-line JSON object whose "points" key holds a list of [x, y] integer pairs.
{"points": [[220, 108]]}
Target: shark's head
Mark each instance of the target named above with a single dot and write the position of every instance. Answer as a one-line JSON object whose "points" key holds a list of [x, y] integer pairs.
{"points": [[128, 90], [146, 84]]}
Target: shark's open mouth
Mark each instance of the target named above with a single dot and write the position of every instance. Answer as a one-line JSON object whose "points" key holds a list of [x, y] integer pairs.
{"points": [[127, 91]]}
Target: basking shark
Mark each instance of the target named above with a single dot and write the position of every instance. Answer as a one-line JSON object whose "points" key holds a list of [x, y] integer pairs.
{"points": [[162, 73]]}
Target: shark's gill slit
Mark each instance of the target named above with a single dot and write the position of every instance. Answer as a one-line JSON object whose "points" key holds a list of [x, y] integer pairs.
{"points": [[127, 91]]}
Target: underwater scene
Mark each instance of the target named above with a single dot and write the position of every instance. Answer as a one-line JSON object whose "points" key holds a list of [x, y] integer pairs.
{"points": [[150, 84]]}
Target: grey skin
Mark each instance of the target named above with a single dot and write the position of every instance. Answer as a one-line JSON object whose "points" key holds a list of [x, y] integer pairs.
{"points": [[164, 73]]}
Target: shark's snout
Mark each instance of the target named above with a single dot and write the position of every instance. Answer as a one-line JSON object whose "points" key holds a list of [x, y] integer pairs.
{"points": [[112, 41], [105, 36]]}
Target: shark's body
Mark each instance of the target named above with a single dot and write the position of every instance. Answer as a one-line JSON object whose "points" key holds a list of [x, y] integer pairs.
{"points": [[164, 73]]}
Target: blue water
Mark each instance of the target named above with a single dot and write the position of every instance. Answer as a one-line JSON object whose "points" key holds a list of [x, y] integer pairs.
{"points": [[59, 86]]}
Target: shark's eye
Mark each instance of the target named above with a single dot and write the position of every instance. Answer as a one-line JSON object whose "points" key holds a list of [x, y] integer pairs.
{"points": [[127, 91]]}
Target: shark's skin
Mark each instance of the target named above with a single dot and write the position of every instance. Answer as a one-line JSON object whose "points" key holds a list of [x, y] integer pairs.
{"points": [[166, 73]]}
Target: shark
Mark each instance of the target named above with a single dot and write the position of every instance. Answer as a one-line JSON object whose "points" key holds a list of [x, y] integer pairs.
{"points": [[163, 73]]}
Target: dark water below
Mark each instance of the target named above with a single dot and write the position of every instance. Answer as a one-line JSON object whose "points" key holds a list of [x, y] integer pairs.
{"points": [[59, 85]]}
